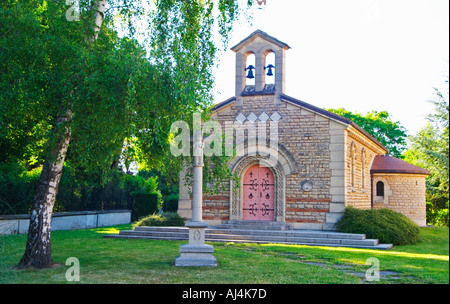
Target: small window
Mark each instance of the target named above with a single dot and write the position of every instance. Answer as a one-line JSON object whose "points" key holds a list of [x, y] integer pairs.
{"points": [[380, 189]]}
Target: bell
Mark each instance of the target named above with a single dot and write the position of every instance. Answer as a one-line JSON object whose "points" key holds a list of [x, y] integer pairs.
{"points": [[250, 71], [270, 72]]}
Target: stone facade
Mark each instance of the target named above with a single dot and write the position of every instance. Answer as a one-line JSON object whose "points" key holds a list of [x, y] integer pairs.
{"points": [[404, 193], [321, 161], [360, 154]]}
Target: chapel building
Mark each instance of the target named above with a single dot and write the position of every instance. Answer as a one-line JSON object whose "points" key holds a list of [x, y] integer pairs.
{"points": [[306, 164]]}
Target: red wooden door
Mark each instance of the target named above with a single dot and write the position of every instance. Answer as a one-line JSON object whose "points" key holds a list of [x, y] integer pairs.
{"points": [[259, 192]]}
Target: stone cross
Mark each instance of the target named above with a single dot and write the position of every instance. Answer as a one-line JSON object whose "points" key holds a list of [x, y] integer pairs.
{"points": [[197, 253]]}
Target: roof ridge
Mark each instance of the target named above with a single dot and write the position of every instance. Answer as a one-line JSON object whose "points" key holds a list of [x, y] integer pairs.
{"points": [[268, 37]]}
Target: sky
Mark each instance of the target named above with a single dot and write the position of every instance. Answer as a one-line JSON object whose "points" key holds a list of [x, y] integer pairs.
{"points": [[361, 55]]}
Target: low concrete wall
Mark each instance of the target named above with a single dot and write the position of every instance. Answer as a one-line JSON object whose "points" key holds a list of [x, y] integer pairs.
{"points": [[17, 224]]}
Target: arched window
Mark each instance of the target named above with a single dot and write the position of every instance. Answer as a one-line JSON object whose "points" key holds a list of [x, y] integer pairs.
{"points": [[250, 64], [380, 189], [363, 168], [269, 67], [352, 165]]}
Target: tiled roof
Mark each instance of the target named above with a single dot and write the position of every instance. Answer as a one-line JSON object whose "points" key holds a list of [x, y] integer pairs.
{"points": [[390, 164]]}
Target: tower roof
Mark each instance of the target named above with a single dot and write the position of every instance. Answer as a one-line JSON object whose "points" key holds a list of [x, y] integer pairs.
{"points": [[390, 164], [263, 35]]}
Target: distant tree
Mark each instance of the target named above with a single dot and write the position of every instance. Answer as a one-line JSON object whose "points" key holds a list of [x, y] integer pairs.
{"points": [[380, 125], [429, 148]]}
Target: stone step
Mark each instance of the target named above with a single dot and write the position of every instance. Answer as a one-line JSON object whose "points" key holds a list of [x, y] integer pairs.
{"points": [[254, 225], [291, 238], [166, 229], [212, 240], [301, 237], [287, 233]]}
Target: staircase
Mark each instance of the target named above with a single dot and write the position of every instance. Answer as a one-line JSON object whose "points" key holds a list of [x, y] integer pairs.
{"points": [[257, 232], [253, 225]]}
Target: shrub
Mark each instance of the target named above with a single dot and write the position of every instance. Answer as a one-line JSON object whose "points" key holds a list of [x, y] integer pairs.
{"points": [[168, 219], [171, 203], [437, 217], [144, 204], [442, 218], [385, 225]]}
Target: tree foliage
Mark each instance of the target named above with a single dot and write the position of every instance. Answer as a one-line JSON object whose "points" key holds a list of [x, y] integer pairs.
{"points": [[380, 125], [79, 85], [117, 89], [429, 148]]}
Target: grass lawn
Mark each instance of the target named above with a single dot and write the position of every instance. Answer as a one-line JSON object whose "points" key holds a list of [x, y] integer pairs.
{"points": [[104, 261]]}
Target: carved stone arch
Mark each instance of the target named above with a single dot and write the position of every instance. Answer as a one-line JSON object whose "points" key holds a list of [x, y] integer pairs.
{"points": [[363, 169], [352, 165], [236, 195], [280, 155]]}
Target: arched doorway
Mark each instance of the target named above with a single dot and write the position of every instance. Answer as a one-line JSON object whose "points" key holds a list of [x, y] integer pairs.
{"points": [[258, 194]]}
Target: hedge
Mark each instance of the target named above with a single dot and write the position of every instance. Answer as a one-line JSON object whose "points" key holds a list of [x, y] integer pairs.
{"points": [[386, 225], [168, 219], [171, 203], [144, 204]]}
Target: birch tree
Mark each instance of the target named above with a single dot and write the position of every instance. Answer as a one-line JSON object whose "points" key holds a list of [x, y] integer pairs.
{"points": [[93, 89]]}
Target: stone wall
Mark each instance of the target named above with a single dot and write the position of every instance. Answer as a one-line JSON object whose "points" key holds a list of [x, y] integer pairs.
{"points": [[306, 137], [320, 148], [18, 224], [360, 153], [404, 193]]}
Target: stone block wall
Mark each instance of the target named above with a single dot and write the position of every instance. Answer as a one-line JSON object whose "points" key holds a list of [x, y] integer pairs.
{"points": [[404, 193], [216, 209], [357, 170], [18, 224], [320, 147], [306, 136]]}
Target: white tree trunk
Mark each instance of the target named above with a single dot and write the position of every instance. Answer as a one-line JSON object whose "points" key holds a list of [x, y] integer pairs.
{"points": [[100, 16], [38, 248]]}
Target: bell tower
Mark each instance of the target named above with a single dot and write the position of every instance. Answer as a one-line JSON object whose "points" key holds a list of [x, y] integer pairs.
{"points": [[255, 73]]}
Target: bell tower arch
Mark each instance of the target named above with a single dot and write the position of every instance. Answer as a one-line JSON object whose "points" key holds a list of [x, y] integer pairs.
{"points": [[261, 45]]}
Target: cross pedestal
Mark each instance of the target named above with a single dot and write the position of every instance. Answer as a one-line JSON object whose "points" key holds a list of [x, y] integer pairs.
{"points": [[197, 253]]}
